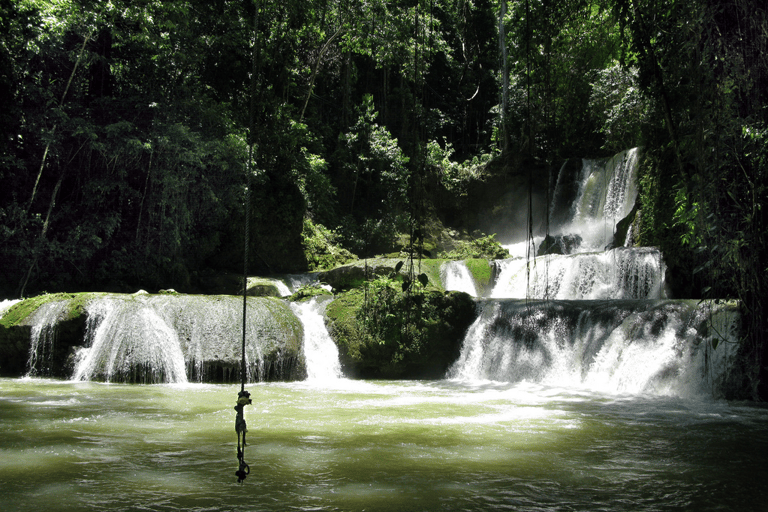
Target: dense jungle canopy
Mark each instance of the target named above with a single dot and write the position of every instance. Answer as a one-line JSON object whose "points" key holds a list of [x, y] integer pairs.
{"points": [[129, 129]]}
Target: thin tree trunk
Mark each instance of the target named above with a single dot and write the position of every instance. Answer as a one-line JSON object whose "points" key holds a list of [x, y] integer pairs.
{"points": [[53, 131], [315, 69]]}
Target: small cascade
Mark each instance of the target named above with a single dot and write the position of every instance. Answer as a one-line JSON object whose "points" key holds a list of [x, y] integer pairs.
{"points": [[456, 277], [679, 348], [616, 274], [45, 322], [146, 338], [605, 193], [283, 288], [320, 352], [129, 342], [288, 284]]}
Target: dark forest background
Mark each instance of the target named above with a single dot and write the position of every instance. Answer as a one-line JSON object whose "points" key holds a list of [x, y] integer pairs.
{"points": [[129, 129]]}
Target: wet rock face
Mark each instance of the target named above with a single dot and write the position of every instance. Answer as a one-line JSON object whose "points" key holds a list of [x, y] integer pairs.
{"points": [[559, 244], [14, 350]]}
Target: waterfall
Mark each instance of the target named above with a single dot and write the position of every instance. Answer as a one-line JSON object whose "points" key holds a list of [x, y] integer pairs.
{"points": [[169, 338], [43, 336], [605, 192], [598, 318], [289, 284], [616, 274], [320, 352], [130, 341], [456, 277], [656, 347]]}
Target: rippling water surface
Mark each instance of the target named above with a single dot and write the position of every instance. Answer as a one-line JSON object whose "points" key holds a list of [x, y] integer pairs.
{"points": [[351, 445]]}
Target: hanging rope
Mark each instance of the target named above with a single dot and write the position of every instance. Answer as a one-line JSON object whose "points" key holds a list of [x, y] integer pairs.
{"points": [[243, 397]]}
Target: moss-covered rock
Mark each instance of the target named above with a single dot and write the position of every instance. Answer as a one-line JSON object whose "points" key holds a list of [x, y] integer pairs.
{"points": [[208, 330], [423, 348], [482, 273], [16, 333], [479, 246], [307, 292], [355, 275], [262, 287]]}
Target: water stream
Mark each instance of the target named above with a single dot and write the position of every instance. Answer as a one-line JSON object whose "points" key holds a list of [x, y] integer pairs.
{"points": [[320, 352], [456, 277]]}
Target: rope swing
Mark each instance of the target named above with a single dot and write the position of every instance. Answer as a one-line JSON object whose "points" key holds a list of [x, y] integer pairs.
{"points": [[244, 397]]}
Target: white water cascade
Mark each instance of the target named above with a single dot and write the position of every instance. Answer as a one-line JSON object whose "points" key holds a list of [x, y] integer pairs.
{"points": [[606, 191], [130, 340], [170, 338], [598, 319], [320, 352], [456, 277], [43, 336], [658, 347], [622, 273]]}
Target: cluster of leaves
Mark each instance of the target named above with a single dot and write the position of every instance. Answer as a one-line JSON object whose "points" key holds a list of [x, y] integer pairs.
{"points": [[403, 326], [703, 67], [456, 176]]}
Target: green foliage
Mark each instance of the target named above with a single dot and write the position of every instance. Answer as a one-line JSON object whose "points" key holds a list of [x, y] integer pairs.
{"points": [[486, 248], [321, 249], [455, 176], [618, 104], [398, 335]]}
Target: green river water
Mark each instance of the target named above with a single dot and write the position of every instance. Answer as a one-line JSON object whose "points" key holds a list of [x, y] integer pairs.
{"points": [[378, 446]]}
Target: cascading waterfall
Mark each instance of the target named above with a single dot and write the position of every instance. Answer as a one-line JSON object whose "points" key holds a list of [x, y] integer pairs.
{"points": [[657, 347], [173, 338], [289, 284], [456, 277], [45, 322], [620, 273], [606, 191], [320, 352], [129, 341], [594, 318]]}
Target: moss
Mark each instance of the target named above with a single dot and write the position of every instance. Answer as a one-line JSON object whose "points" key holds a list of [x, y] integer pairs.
{"points": [[262, 287], [306, 292], [341, 319], [18, 313], [431, 267], [481, 272], [479, 247], [287, 323], [424, 347]]}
